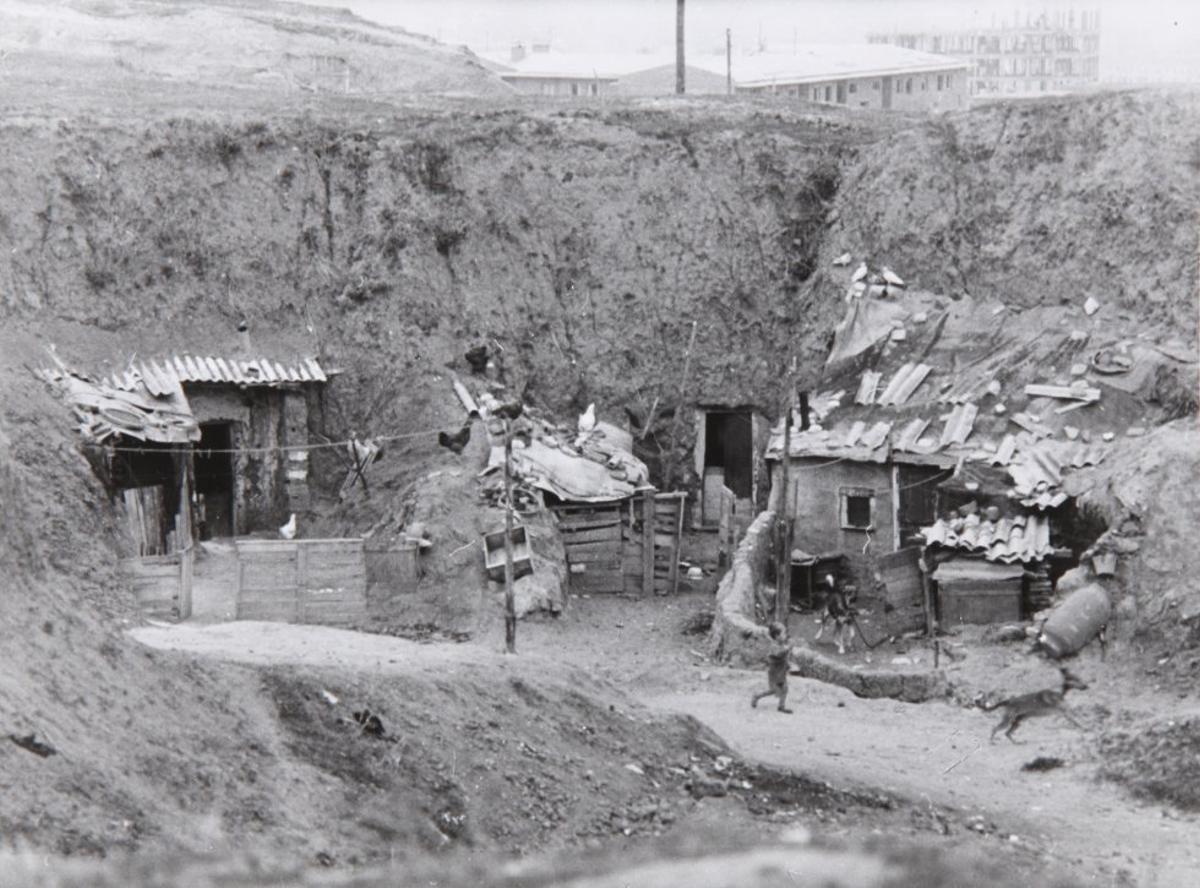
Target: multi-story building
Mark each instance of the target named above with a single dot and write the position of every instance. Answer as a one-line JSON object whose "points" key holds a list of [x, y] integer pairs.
{"points": [[1049, 53]]}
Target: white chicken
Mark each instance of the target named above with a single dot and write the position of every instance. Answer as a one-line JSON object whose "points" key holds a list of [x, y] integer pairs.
{"points": [[891, 277], [842, 260], [587, 419], [288, 531], [859, 273]]}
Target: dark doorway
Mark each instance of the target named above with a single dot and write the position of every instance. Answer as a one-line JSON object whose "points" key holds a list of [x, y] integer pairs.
{"points": [[887, 93], [729, 445], [214, 479], [917, 508]]}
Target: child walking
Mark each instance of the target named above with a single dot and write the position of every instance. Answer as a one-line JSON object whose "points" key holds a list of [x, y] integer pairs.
{"points": [[778, 661]]}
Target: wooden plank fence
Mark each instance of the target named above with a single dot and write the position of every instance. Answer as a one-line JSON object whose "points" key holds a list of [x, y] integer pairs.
{"points": [[302, 581], [611, 548], [900, 574]]}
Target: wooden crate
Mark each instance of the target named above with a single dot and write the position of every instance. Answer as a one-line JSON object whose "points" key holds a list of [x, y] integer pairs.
{"points": [[301, 581], [976, 591], [494, 555]]}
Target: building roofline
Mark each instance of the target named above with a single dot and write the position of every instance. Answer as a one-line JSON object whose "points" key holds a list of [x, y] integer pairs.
{"points": [[784, 79]]}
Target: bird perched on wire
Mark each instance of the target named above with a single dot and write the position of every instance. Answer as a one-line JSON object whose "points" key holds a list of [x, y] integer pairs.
{"points": [[587, 419], [456, 442], [288, 531]]}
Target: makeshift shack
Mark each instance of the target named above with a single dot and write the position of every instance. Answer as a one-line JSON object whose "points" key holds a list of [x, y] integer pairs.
{"points": [[927, 404], [618, 534]]}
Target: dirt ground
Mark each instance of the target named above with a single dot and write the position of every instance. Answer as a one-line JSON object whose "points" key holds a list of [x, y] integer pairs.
{"points": [[934, 755]]}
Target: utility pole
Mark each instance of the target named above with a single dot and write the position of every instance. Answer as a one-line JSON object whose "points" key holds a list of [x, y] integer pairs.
{"points": [[510, 607], [728, 61], [679, 79], [783, 550]]}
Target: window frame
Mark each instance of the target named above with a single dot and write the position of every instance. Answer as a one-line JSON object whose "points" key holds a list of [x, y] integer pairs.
{"points": [[844, 496]]}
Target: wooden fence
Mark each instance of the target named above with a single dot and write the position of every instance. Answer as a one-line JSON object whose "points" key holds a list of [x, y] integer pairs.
{"points": [[162, 584], [613, 548], [302, 581]]}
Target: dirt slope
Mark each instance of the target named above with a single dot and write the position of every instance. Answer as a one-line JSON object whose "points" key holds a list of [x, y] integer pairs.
{"points": [[285, 48]]}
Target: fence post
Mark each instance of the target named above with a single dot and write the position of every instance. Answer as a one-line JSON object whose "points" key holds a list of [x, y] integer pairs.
{"points": [[649, 519]]}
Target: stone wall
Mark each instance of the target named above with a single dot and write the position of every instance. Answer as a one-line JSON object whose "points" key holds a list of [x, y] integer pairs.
{"points": [[737, 636]]}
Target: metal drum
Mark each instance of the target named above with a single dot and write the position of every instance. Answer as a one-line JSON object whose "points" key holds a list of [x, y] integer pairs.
{"points": [[1076, 620]]}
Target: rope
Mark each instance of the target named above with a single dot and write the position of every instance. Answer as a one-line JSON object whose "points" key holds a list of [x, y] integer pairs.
{"points": [[281, 448]]}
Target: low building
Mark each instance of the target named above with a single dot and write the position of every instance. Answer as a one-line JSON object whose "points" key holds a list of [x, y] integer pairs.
{"points": [[226, 436], [857, 76], [546, 72], [1043, 54]]}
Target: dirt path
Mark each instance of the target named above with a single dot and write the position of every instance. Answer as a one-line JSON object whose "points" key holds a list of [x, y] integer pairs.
{"points": [[941, 753], [934, 751]]}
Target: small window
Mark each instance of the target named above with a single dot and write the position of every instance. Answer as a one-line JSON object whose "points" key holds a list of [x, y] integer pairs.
{"points": [[908, 86], [829, 93], [857, 508], [574, 89], [594, 88], [853, 87], [875, 85], [940, 82]]}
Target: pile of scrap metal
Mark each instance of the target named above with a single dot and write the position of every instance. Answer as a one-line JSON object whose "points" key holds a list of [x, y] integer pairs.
{"points": [[153, 408]]}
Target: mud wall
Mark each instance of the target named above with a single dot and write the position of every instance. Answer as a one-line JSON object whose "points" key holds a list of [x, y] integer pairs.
{"points": [[737, 636], [815, 505]]}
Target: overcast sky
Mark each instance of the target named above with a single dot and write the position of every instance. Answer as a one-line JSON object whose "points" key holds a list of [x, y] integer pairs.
{"points": [[1140, 39]]}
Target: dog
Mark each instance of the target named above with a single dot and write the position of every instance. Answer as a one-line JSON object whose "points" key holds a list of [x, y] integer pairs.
{"points": [[840, 610], [1038, 703]]}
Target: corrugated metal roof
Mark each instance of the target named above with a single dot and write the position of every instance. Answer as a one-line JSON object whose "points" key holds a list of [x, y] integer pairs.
{"points": [[1023, 538], [909, 435], [906, 381], [959, 425], [163, 376], [867, 387]]}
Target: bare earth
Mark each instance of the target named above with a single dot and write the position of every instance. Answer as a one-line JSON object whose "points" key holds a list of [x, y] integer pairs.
{"points": [[937, 752]]}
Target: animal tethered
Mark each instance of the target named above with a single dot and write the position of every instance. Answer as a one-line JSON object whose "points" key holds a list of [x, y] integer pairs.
{"points": [[288, 531], [1033, 705]]}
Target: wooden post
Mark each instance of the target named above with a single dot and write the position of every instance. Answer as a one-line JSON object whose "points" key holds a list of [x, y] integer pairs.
{"points": [[783, 558], [930, 619], [675, 545], [728, 61], [183, 535], [510, 607], [649, 519], [679, 64]]}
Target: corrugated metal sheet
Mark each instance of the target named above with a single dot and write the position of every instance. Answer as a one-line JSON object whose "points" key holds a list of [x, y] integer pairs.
{"points": [[1004, 453], [105, 410], [906, 381], [867, 387], [1023, 538], [909, 435], [164, 376], [959, 425], [824, 443], [876, 435]]}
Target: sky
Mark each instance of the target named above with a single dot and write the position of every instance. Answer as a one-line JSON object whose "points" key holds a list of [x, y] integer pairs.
{"points": [[1141, 40]]}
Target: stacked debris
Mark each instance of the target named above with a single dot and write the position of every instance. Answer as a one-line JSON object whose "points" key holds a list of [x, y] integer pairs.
{"points": [[148, 408], [592, 463]]}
